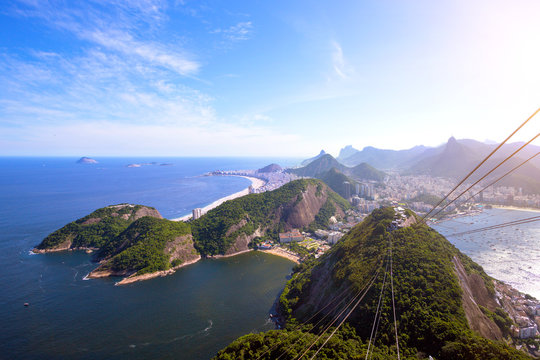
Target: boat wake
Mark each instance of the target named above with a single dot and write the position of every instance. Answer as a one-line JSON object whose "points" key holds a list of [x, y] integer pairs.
{"points": [[210, 324]]}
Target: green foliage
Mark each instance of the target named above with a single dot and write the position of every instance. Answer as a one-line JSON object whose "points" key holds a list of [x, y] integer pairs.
{"points": [[499, 317], [296, 248], [319, 166], [335, 179], [326, 163], [216, 231], [291, 344], [143, 244], [322, 219], [94, 230], [427, 291], [176, 262]]}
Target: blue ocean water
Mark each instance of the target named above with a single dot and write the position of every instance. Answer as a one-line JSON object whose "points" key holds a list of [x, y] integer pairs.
{"points": [[188, 315], [510, 254]]}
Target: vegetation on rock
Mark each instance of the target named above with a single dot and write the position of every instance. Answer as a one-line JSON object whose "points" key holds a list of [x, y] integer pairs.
{"points": [[96, 229]]}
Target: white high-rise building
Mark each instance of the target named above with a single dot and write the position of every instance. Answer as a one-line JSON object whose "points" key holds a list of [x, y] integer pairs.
{"points": [[197, 213]]}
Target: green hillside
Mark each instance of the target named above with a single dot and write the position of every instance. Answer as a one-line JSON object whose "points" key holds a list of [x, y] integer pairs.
{"points": [[318, 166], [335, 179], [145, 246], [366, 172], [327, 162], [97, 228], [269, 212], [428, 298]]}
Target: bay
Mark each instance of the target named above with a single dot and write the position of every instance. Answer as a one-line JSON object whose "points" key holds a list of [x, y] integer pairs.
{"points": [[188, 315], [510, 254]]}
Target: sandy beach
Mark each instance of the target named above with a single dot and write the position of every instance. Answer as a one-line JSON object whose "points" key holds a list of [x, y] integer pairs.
{"points": [[283, 253], [517, 208], [255, 182]]}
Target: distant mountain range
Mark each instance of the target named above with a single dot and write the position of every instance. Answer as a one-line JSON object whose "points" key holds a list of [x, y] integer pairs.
{"points": [[307, 161], [325, 162], [451, 160]]}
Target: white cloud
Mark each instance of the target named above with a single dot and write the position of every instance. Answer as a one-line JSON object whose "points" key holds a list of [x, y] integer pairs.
{"points": [[238, 32], [114, 28], [339, 64], [154, 53]]}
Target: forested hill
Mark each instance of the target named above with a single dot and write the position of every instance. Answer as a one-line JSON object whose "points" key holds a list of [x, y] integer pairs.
{"points": [[326, 162], [429, 297], [337, 181], [230, 227], [95, 229]]}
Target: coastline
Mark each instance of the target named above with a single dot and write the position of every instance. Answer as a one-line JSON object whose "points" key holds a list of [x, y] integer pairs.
{"points": [[255, 183], [229, 255], [133, 278], [515, 208], [283, 254]]}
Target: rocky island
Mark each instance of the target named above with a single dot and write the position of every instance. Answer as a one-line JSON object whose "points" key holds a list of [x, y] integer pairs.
{"points": [[129, 240], [86, 160]]}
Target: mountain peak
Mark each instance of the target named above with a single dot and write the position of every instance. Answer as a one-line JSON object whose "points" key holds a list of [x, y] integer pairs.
{"points": [[322, 152], [452, 145], [346, 152]]}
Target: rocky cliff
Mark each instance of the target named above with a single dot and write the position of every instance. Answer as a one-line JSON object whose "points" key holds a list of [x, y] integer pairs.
{"points": [[230, 227]]}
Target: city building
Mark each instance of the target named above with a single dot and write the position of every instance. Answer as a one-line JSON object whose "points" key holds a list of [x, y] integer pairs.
{"points": [[528, 332], [197, 213], [293, 235], [334, 236]]}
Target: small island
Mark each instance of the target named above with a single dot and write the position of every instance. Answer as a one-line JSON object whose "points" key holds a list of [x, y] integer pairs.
{"points": [[86, 160]]}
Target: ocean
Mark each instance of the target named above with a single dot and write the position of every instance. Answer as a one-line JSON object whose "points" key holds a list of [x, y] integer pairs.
{"points": [[188, 315], [510, 254]]}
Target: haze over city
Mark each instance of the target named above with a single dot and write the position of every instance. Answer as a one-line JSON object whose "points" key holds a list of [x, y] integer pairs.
{"points": [[188, 78]]}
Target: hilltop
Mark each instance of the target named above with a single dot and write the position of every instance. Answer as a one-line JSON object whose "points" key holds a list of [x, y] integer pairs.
{"points": [[95, 229], [307, 161], [445, 303], [337, 181]]}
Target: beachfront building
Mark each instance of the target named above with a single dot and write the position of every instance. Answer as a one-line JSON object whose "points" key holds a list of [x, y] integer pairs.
{"points": [[197, 213], [293, 235]]}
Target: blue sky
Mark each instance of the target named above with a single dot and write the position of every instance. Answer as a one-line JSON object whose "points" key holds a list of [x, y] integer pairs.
{"points": [[251, 78]]}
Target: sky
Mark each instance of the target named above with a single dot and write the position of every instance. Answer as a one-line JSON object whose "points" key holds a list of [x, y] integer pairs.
{"points": [[263, 78]]}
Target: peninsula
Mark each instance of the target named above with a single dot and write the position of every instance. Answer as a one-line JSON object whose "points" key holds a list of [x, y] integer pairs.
{"points": [[135, 242]]}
